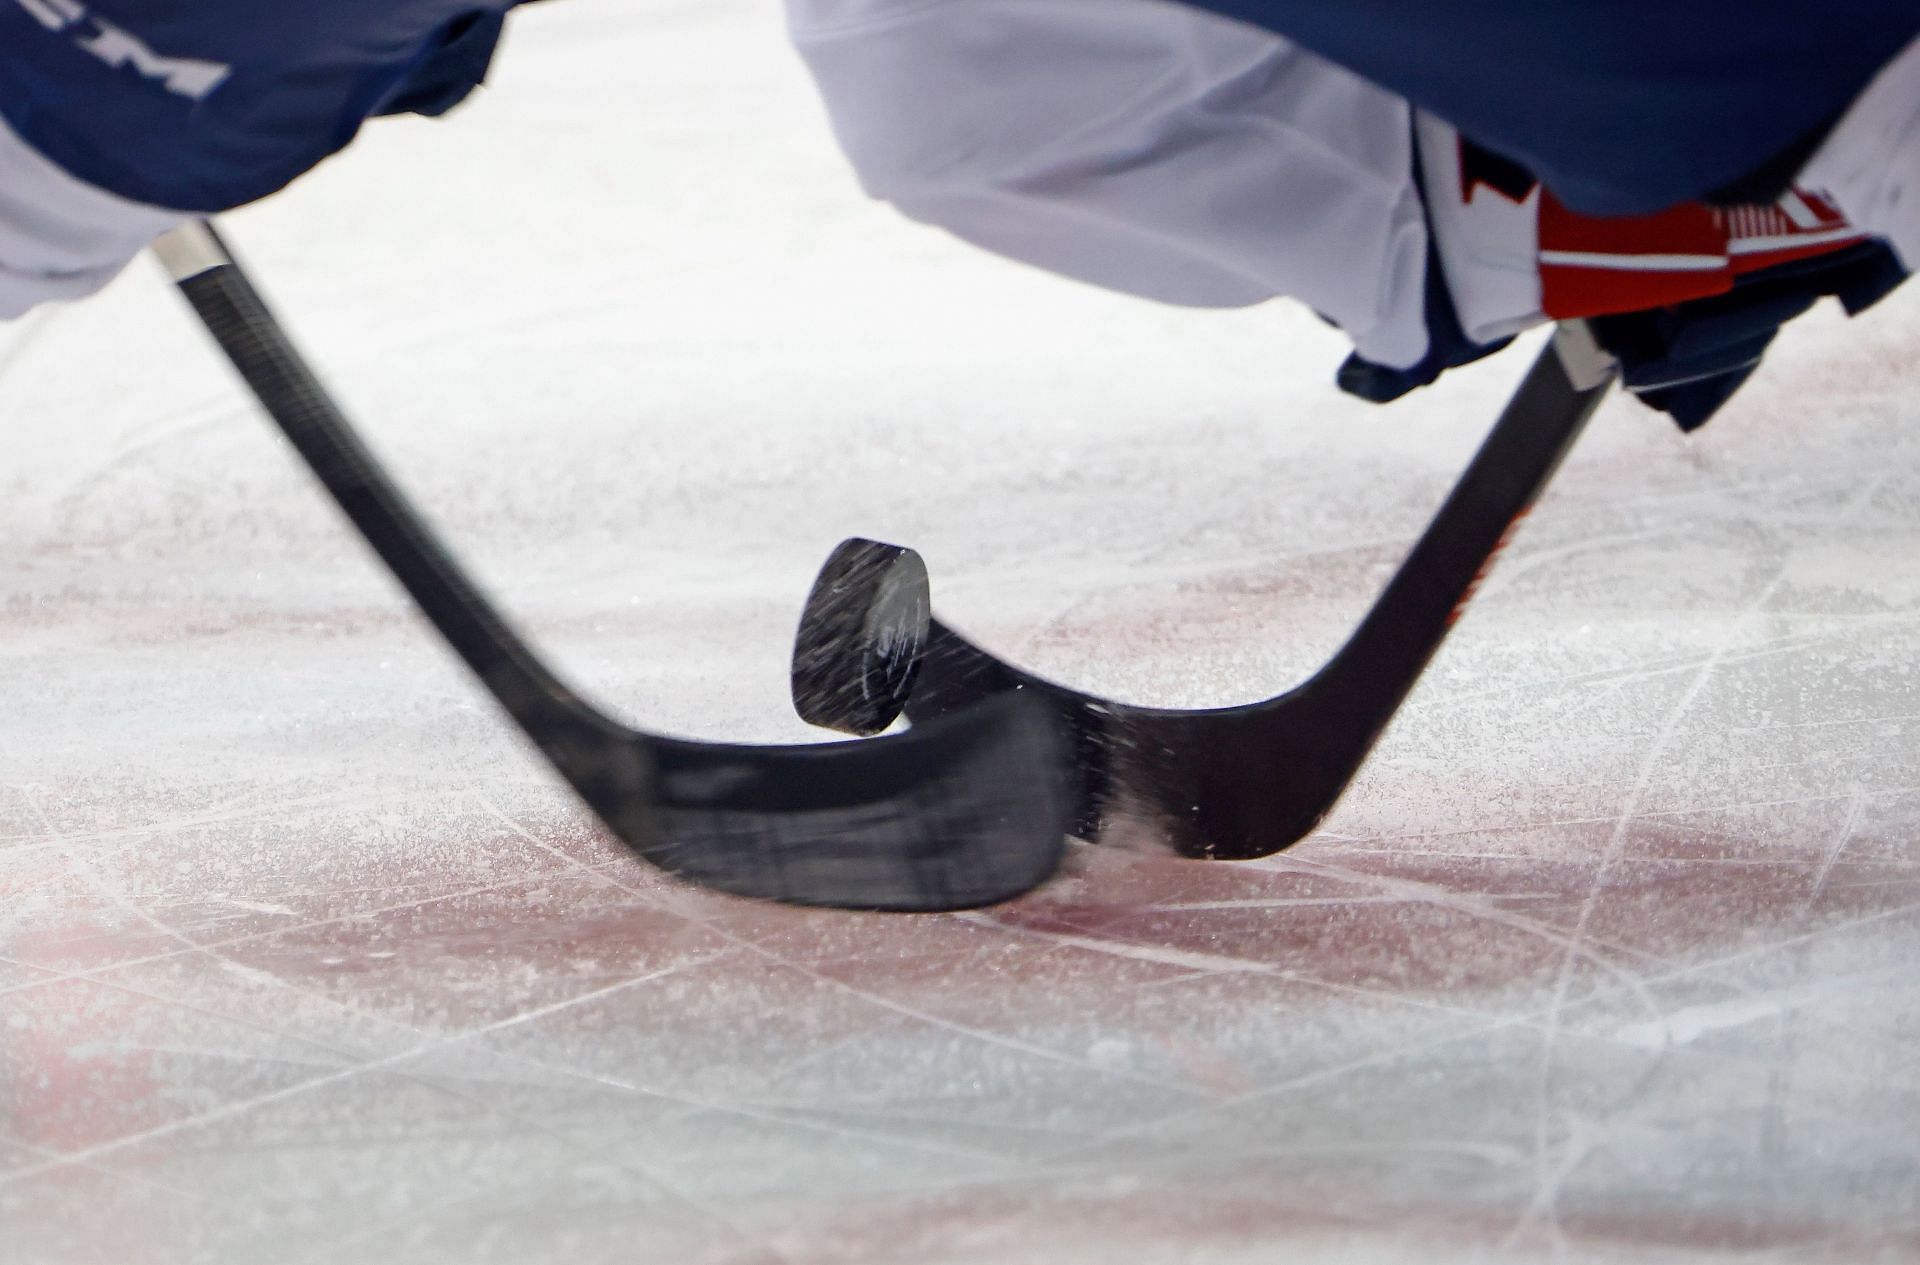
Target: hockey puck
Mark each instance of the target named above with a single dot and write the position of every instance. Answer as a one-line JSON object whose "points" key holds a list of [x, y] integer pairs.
{"points": [[861, 636]]}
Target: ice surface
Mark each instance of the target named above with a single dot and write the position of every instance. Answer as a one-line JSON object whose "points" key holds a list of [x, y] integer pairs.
{"points": [[1610, 955]]}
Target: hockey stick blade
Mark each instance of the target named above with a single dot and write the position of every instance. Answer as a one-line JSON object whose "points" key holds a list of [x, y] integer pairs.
{"points": [[956, 814], [1248, 781]]}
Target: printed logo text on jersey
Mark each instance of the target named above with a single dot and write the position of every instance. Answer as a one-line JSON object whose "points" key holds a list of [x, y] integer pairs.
{"points": [[185, 76]]}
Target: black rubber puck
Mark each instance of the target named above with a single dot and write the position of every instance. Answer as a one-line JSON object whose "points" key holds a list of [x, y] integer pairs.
{"points": [[861, 637]]}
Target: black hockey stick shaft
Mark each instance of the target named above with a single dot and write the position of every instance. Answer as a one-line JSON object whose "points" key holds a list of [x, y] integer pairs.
{"points": [[1429, 592], [238, 319], [966, 815]]}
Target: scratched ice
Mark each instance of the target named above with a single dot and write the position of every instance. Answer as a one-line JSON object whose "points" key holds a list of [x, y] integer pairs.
{"points": [[1609, 956]]}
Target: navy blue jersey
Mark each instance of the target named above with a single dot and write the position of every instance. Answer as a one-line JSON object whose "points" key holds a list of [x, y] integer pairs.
{"points": [[1623, 107], [205, 104]]}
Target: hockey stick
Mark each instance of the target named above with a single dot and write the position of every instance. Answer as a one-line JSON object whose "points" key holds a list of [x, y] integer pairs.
{"points": [[960, 813], [1247, 781]]}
